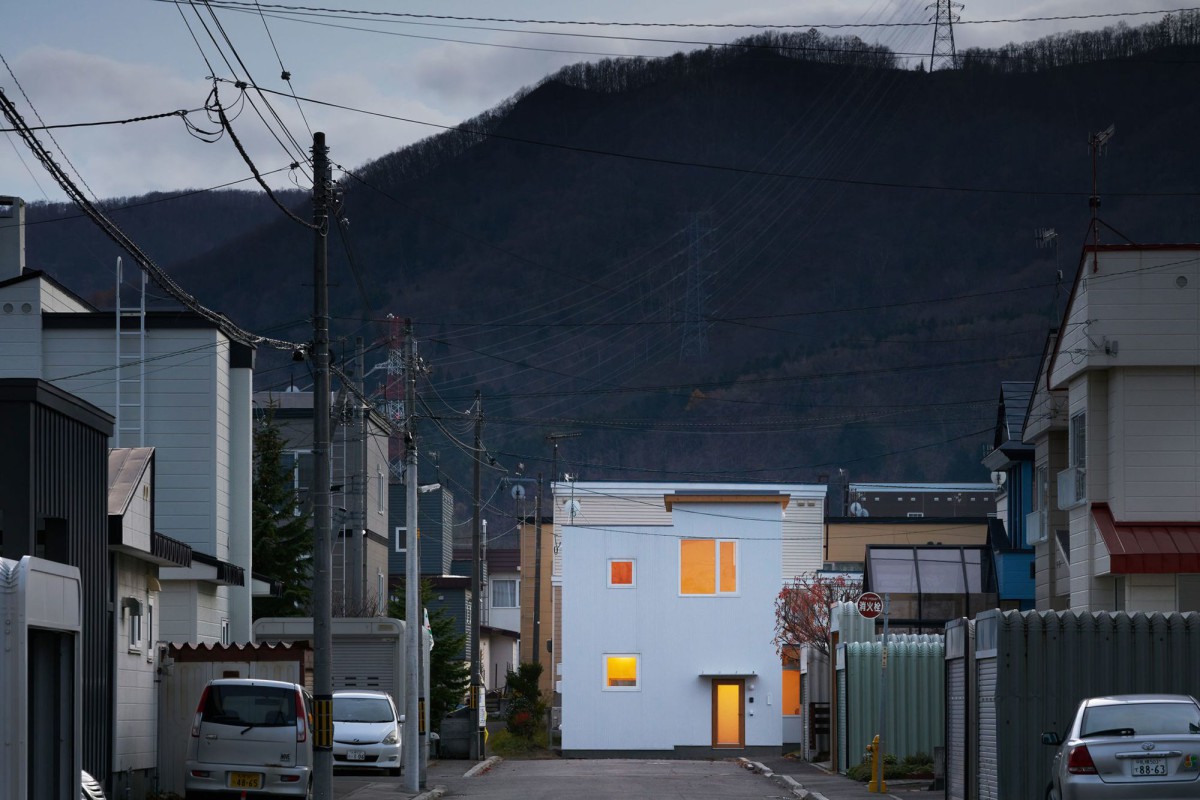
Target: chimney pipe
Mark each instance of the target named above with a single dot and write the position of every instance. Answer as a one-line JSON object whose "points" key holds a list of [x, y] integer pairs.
{"points": [[12, 237]]}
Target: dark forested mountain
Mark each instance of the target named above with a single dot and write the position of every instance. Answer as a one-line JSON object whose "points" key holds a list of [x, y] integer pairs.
{"points": [[752, 264]]}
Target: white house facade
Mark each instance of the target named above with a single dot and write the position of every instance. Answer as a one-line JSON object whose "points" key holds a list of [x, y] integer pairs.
{"points": [[174, 381], [671, 624], [1123, 378]]}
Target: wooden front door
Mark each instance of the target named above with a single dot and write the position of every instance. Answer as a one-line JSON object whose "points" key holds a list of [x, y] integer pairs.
{"points": [[729, 712]]}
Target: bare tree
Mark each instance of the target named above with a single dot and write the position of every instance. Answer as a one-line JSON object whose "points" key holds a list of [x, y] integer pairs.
{"points": [[803, 608]]}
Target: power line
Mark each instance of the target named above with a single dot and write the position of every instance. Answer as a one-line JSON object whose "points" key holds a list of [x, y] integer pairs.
{"points": [[724, 167], [598, 23]]}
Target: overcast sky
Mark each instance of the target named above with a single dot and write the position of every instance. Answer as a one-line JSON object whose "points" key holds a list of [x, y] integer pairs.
{"points": [[78, 61]]}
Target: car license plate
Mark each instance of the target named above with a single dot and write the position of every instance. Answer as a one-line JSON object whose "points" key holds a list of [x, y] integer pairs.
{"points": [[356, 755], [245, 780], [1149, 767]]}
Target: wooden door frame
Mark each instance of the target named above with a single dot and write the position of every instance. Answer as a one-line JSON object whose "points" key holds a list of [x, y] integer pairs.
{"points": [[741, 684]]}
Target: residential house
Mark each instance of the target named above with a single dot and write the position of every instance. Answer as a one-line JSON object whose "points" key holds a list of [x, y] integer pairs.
{"points": [[667, 612], [1011, 463], [501, 624], [137, 554], [173, 380], [359, 478], [1121, 377]]}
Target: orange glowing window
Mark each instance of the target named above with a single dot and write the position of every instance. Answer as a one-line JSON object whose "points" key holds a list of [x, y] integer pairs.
{"points": [[707, 566], [620, 572], [728, 567], [621, 672], [791, 692]]}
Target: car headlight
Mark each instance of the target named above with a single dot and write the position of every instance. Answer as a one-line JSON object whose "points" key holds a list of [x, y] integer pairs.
{"points": [[391, 738]]}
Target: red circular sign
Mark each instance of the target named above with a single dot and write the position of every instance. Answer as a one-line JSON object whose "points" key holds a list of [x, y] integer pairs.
{"points": [[870, 605]]}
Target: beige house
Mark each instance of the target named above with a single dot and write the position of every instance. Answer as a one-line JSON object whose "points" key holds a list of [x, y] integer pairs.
{"points": [[846, 538], [1115, 420]]}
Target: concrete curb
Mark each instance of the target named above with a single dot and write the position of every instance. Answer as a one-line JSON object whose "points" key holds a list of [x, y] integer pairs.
{"points": [[786, 781], [432, 794], [482, 767]]}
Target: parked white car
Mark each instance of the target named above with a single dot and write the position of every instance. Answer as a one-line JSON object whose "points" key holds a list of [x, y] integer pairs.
{"points": [[253, 736], [366, 731], [1128, 747]]}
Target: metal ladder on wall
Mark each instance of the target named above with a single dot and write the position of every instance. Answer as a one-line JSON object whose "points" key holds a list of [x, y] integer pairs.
{"points": [[130, 429]]}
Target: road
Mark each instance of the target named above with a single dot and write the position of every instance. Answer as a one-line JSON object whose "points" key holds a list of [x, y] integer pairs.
{"points": [[553, 779]]}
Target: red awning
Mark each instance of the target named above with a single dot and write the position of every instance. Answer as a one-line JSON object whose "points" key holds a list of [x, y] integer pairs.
{"points": [[1148, 547]]}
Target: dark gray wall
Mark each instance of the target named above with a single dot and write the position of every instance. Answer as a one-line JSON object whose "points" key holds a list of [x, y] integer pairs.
{"points": [[435, 519], [54, 504]]}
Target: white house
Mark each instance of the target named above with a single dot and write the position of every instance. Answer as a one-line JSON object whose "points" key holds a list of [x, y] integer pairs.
{"points": [[1115, 420], [137, 554], [174, 381], [670, 623]]}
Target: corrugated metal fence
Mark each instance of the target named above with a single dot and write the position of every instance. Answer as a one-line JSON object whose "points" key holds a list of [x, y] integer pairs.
{"points": [[1032, 669], [915, 696]]}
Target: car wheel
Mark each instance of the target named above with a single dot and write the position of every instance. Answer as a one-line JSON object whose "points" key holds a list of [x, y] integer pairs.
{"points": [[1051, 794], [394, 772]]}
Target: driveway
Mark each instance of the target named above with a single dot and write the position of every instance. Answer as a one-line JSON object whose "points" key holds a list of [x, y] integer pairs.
{"points": [[619, 779]]}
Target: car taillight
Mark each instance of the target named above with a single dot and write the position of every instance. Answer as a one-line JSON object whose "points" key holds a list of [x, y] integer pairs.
{"points": [[200, 711], [1079, 761], [301, 720]]}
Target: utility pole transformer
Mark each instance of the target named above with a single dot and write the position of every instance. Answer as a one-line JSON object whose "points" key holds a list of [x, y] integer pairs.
{"points": [[413, 621], [322, 521], [476, 591]]}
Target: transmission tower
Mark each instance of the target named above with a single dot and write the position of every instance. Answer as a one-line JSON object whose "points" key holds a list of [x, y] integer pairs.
{"points": [[694, 342], [943, 19]]}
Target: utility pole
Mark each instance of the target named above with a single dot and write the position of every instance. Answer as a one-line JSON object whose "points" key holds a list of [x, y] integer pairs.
{"points": [[413, 622], [358, 587], [537, 573], [476, 590], [322, 522]]}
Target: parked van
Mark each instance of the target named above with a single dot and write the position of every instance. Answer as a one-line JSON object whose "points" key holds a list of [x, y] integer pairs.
{"points": [[253, 736]]}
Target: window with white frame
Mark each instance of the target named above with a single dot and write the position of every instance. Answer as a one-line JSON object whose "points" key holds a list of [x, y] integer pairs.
{"points": [[621, 672], [1078, 446], [504, 593], [225, 632], [707, 567], [133, 623], [401, 539], [622, 573], [380, 491]]}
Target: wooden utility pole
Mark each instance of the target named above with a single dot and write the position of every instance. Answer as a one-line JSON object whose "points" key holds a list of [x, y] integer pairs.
{"points": [[413, 619]]}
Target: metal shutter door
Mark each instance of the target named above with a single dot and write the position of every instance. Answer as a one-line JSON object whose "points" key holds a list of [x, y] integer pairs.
{"points": [[364, 663], [986, 671], [843, 762], [804, 743], [956, 729]]}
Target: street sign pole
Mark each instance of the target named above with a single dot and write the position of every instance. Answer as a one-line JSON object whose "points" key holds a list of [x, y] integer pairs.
{"points": [[882, 787]]}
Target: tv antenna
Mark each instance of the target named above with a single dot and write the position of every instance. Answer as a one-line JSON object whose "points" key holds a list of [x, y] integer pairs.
{"points": [[1097, 142]]}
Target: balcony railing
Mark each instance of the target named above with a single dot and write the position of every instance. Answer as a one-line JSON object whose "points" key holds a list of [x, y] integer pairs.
{"points": [[1035, 527], [1072, 487]]}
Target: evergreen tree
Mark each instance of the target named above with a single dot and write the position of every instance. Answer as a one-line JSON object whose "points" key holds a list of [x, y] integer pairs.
{"points": [[283, 541], [449, 674]]}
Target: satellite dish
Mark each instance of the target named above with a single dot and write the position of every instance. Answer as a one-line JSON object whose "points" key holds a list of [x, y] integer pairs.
{"points": [[517, 491], [572, 508], [856, 510]]}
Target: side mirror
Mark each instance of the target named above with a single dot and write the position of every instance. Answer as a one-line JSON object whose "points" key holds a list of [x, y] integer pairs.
{"points": [[1051, 738], [401, 718]]}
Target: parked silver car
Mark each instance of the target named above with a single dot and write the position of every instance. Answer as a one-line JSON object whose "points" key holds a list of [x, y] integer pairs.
{"points": [[1133, 746], [250, 738], [366, 730]]}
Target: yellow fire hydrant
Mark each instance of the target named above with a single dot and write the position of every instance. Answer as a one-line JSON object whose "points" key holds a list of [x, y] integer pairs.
{"points": [[877, 784]]}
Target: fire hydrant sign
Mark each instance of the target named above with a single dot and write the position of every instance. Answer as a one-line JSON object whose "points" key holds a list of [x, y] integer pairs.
{"points": [[870, 605]]}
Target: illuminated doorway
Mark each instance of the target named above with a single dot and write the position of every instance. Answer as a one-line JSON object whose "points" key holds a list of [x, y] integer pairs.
{"points": [[728, 712]]}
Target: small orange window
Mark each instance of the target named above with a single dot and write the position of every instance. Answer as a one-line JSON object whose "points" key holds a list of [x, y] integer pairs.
{"points": [[728, 566], [791, 692], [620, 671], [620, 572]]}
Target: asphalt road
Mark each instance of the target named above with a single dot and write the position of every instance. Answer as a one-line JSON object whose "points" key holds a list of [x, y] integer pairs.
{"points": [[618, 779]]}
